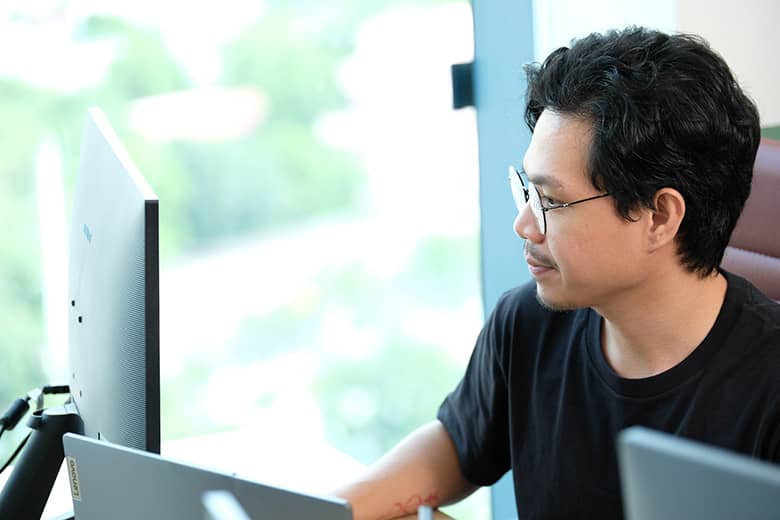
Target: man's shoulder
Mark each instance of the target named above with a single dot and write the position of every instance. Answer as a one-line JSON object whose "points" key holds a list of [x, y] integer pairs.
{"points": [[753, 303], [753, 341]]}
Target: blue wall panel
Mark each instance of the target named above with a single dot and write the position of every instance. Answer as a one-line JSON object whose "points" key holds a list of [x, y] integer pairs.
{"points": [[503, 43]]}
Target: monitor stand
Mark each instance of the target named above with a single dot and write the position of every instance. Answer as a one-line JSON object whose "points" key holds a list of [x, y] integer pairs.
{"points": [[25, 493]]}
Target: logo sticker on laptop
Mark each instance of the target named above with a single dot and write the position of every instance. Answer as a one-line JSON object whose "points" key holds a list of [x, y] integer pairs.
{"points": [[73, 472]]}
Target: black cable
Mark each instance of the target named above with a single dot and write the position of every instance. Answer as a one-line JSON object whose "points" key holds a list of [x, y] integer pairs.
{"points": [[14, 414], [20, 406], [16, 452]]}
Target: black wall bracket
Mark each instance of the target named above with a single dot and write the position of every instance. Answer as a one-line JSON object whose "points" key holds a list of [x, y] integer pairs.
{"points": [[462, 85]]}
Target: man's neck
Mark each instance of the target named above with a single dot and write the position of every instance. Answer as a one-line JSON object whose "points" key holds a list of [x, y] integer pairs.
{"points": [[654, 327]]}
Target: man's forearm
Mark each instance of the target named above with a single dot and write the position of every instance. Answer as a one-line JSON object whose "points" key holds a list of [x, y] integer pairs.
{"points": [[422, 470]]}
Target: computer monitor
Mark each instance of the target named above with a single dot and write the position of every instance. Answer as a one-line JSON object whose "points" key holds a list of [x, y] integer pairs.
{"points": [[113, 337], [665, 476], [113, 294]]}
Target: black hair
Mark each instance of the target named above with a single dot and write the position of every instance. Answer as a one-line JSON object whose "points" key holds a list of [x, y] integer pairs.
{"points": [[666, 111]]}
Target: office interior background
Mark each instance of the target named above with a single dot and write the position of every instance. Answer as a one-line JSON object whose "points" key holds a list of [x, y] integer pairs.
{"points": [[322, 278]]}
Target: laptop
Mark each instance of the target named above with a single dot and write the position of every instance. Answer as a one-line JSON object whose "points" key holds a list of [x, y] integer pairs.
{"points": [[664, 476], [112, 481], [222, 505]]}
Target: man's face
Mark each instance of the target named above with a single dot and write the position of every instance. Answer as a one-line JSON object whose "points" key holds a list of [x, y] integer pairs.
{"points": [[589, 255]]}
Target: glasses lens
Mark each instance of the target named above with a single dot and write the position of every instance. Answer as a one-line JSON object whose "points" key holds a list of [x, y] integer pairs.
{"points": [[536, 208], [519, 193], [525, 194]]}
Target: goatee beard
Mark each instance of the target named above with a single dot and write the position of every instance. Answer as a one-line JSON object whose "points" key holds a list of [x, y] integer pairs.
{"points": [[555, 307]]}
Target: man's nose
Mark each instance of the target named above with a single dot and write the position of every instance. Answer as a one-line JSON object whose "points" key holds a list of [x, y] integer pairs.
{"points": [[526, 225]]}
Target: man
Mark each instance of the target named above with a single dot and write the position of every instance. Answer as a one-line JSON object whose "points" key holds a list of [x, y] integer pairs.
{"points": [[639, 165]]}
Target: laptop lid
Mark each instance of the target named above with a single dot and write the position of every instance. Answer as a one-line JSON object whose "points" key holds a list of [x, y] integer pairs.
{"points": [[664, 476], [222, 505], [112, 481]]}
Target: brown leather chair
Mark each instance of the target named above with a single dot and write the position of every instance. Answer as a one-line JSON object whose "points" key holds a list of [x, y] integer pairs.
{"points": [[754, 249]]}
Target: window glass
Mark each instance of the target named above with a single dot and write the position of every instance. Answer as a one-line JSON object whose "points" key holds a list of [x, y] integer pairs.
{"points": [[318, 206]]}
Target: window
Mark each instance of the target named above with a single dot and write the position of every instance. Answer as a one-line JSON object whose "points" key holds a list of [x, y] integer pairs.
{"points": [[318, 206]]}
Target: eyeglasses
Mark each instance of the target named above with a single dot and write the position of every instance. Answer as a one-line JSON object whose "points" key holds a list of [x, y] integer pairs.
{"points": [[523, 194]]}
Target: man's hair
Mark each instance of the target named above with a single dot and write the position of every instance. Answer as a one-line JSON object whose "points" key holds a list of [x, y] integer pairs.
{"points": [[665, 111]]}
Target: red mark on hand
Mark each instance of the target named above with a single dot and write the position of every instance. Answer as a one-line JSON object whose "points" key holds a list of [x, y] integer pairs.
{"points": [[411, 506]]}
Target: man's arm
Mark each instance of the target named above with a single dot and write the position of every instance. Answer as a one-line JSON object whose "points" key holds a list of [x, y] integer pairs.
{"points": [[422, 469]]}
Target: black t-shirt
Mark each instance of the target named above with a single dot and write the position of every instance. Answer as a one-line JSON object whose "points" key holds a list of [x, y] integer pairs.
{"points": [[539, 398]]}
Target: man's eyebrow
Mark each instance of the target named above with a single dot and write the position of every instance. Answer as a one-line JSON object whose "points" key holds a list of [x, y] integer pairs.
{"points": [[543, 179]]}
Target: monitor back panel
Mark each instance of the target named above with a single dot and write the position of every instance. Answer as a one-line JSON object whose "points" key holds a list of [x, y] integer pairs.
{"points": [[111, 481], [664, 476]]}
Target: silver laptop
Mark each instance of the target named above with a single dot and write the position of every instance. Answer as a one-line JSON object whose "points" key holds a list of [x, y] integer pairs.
{"points": [[111, 481], [663, 476], [222, 505]]}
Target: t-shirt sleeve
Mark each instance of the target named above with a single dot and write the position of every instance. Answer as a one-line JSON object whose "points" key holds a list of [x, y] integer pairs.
{"points": [[476, 413]]}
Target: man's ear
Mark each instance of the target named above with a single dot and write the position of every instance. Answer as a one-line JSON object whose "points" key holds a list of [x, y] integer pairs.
{"points": [[666, 218]]}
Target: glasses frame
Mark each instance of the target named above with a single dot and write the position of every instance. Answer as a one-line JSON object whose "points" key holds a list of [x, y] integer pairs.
{"points": [[530, 194]]}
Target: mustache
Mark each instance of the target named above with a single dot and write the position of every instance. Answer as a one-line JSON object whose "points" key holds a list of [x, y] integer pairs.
{"points": [[533, 253]]}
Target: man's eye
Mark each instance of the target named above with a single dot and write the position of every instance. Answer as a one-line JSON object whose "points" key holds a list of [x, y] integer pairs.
{"points": [[549, 201]]}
